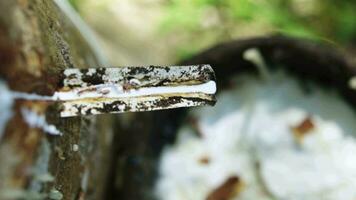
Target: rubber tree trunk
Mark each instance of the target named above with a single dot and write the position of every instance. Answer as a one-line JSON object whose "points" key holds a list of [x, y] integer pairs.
{"points": [[37, 41]]}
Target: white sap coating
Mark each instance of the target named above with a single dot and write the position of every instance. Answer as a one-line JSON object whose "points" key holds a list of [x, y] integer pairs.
{"points": [[35, 120], [117, 91], [7, 99], [149, 103], [29, 96], [134, 81], [110, 90], [91, 71], [6, 102], [75, 147], [78, 77], [114, 91], [69, 110], [191, 72], [252, 124]]}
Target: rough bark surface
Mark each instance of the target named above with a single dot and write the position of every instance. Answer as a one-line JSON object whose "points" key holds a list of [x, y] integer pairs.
{"points": [[37, 41]]}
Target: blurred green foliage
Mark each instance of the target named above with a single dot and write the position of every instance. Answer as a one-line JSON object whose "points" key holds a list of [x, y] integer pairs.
{"points": [[331, 20], [198, 24], [75, 4]]}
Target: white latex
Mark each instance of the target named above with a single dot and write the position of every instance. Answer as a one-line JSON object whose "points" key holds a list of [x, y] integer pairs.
{"points": [[250, 125]]}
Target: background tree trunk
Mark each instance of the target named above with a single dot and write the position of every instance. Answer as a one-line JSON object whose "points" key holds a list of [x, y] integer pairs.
{"points": [[37, 41]]}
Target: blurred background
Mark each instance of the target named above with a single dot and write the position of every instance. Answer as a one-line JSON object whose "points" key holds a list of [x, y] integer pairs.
{"points": [[164, 31]]}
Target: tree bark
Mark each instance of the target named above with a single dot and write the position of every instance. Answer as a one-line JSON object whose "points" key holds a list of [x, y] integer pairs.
{"points": [[38, 41]]}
